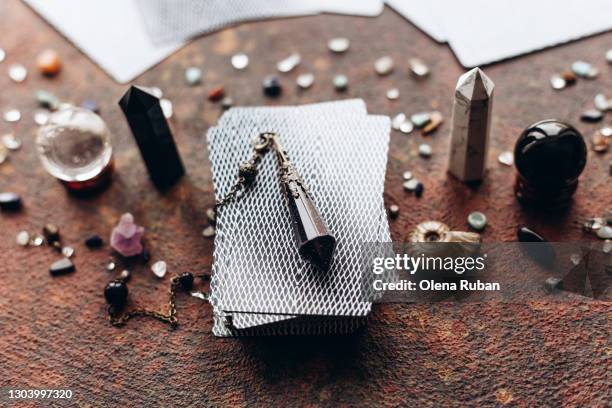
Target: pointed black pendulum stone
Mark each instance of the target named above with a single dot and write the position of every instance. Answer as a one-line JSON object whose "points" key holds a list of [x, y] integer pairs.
{"points": [[61, 267], [153, 136]]}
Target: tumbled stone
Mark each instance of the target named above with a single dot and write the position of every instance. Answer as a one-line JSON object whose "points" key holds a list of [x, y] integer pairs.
{"points": [[61, 267], [41, 117], [604, 232], [272, 86], [49, 62], [159, 269], [411, 184], [339, 44], [211, 214], [305, 81], [418, 68], [68, 251], [193, 76], [208, 232], [94, 241], [37, 240], [435, 120], [602, 103], [216, 94], [384, 65], [420, 119], [407, 127], [23, 238], [340, 83], [584, 69], [569, 77], [477, 220], [10, 141], [47, 100], [51, 233], [393, 94], [418, 191], [591, 116], [599, 143], [393, 211], [240, 61], [126, 237], [12, 115], [609, 56], [227, 103], [425, 150], [506, 158], [557, 82], [606, 131], [125, 275], [407, 175], [10, 201], [397, 121], [17, 73], [289, 63]]}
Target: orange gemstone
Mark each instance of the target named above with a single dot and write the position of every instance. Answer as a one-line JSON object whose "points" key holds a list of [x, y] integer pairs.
{"points": [[49, 62], [216, 94]]}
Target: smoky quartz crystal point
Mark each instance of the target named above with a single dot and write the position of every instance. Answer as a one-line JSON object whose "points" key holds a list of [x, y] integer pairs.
{"points": [[549, 156], [153, 136]]}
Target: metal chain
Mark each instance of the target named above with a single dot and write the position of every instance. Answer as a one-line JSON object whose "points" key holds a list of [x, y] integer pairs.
{"points": [[169, 318]]}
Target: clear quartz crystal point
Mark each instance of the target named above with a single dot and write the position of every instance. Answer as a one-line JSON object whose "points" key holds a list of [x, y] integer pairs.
{"points": [[74, 146]]}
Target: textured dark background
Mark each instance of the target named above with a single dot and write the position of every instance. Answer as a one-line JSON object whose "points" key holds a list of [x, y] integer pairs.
{"points": [[54, 333]]}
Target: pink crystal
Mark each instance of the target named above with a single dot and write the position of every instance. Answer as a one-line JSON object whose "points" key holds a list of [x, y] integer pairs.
{"points": [[127, 236]]}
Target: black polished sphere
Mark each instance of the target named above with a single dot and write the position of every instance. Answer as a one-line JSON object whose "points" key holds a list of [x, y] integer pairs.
{"points": [[116, 293], [550, 155]]}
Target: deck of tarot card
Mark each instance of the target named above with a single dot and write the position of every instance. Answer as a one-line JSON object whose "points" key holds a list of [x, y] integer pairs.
{"points": [[260, 284]]}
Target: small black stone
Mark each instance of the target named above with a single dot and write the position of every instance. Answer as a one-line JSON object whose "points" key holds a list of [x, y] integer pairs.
{"points": [[418, 191], [10, 201], [553, 284], [186, 280], [272, 86], [61, 267], [525, 234], [51, 233], [591, 116], [94, 241], [116, 293]]}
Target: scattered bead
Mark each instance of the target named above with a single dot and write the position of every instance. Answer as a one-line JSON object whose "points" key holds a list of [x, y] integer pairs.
{"points": [[125, 275], [272, 86], [393, 94], [569, 77], [599, 143], [37, 240], [185, 279], [553, 284], [525, 234], [557, 82], [211, 214], [166, 107], [41, 117], [116, 293], [110, 266], [506, 158], [49, 62], [425, 150], [602, 103], [10, 141], [10, 201], [51, 233], [606, 131], [305, 81], [397, 121], [384, 65], [68, 251], [418, 68], [240, 61], [435, 120], [591, 116], [227, 103], [193, 76], [23, 238], [94, 241], [604, 232], [17, 73], [199, 295], [393, 211], [407, 175], [407, 127], [126, 237], [159, 269], [47, 100], [12, 115], [208, 232], [584, 70], [418, 191], [339, 44], [289, 63], [340, 83], [411, 184], [91, 105], [477, 220], [420, 119], [61, 267], [216, 94]]}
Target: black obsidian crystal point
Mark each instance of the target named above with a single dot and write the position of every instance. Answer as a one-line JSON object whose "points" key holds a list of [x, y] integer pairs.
{"points": [[153, 136], [549, 156]]}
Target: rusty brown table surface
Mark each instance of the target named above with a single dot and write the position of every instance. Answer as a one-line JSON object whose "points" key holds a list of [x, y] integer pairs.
{"points": [[54, 332]]}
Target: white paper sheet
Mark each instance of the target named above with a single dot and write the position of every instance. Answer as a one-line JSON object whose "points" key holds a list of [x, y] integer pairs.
{"points": [[110, 32], [423, 14]]}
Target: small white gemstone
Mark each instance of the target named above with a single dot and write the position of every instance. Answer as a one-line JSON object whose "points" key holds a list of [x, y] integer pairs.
{"points": [[557, 82], [406, 127], [418, 67], [2, 55], [407, 175], [37, 240], [240, 61], [41, 117], [575, 258], [339, 44], [17, 72], [411, 184], [159, 269], [12, 115], [110, 266], [506, 158], [606, 131], [3, 153], [208, 232], [397, 121], [383, 65], [601, 102], [23, 238], [305, 81], [605, 232], [199, 295], [289, 63], [11, 142], [393, 94], [166, 107], [609, 56], [477, 220], [67, 251], [425, 150], [193, 76]]}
